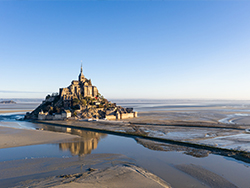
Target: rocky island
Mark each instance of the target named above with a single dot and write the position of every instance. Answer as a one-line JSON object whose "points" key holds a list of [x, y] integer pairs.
{"points": [[7, 102], [80, 100]]}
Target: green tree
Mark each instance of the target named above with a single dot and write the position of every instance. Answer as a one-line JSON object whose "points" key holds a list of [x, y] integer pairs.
{"points": [[88, 99], [107, 105], [81, 97], [100, 106], [83, 102], [47, 97], [76, 101]]}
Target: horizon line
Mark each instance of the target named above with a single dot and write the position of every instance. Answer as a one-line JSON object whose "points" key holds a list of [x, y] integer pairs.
{"points": [[4, 98]]}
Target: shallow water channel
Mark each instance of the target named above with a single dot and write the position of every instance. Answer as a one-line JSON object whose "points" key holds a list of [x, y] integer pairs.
{"points": [[162, 163]]}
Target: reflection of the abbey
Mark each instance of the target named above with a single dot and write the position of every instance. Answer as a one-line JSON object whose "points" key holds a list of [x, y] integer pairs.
{"points": [[78, 146], [82, 146]]}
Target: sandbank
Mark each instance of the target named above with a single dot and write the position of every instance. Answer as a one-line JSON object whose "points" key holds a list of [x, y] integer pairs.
{"points": [[94, 170], [209, 178], [119, 176], [10, 137], [13, 111]]}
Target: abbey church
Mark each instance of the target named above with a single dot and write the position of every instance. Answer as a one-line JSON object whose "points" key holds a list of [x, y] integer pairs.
{"points": [[81, 88]]}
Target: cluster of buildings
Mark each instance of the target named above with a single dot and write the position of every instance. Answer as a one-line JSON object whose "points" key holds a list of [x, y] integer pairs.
{"points": [[78, 89], [65, 114]]}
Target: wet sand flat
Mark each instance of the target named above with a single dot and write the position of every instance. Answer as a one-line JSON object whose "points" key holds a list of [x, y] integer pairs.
{"points": [[10, 137], [199, 126], [95, 170], [202, 116], [209, 178], [111, 170], [242, 120], [210, 135], [118, 176], [13, 111], [146, 124]]}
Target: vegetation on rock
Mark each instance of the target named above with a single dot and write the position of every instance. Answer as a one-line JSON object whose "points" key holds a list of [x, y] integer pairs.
{"points": [[82, 107]]}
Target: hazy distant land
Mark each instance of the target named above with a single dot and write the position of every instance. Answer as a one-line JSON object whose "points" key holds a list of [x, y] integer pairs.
{"points": [[8, 102]]}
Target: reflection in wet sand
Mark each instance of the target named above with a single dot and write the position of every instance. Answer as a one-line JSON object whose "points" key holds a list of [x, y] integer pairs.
{"points": [[194, 152], [89, 141], [79, 146], [83, 146], [153, 145]]}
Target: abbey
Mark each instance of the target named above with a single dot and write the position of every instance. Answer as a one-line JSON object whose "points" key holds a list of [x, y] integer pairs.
{"points": [[80, 100], [78, 89]]}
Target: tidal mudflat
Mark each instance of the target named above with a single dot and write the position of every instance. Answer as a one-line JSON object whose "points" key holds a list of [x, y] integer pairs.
{"points": [[88, 154], [79, 157]]}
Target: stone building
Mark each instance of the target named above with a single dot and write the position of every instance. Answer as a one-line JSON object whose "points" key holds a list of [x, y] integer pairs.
{"points": [[56, 116], [121, 115], [78, 88]]}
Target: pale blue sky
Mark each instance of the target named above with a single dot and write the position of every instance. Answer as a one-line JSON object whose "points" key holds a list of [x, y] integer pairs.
{"points": [[130, 49]]}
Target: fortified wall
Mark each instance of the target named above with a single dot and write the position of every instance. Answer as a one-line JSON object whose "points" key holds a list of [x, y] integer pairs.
{"points": [[120, 115]]}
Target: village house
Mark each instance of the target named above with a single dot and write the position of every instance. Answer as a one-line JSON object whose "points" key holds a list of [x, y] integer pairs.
{"points": [[65, 114]]}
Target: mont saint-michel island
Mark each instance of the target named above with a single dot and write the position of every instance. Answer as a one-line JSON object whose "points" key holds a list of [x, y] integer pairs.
{"points": [[80, 100]]}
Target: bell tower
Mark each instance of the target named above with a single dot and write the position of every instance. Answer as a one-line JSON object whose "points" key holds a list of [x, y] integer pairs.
{"points": [[81, 77]]}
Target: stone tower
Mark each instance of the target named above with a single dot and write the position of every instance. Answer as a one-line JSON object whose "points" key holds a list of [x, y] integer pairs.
{"points": [[81, 77], [81, 88]]}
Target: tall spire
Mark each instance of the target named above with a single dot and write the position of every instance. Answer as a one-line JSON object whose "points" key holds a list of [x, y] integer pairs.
{"points": [[81, 77]]}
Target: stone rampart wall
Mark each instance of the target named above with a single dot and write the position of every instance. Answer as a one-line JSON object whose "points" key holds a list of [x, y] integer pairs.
{"points": [[111, 117], [126, 116], [57, 117], [41, 116], [121, 116]]}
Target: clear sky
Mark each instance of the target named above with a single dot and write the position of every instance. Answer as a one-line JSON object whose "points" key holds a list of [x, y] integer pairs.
{"points": [[130, 49]]}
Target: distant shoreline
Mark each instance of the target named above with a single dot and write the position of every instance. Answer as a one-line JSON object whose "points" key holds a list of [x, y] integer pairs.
{"points": [[7, 102]]}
